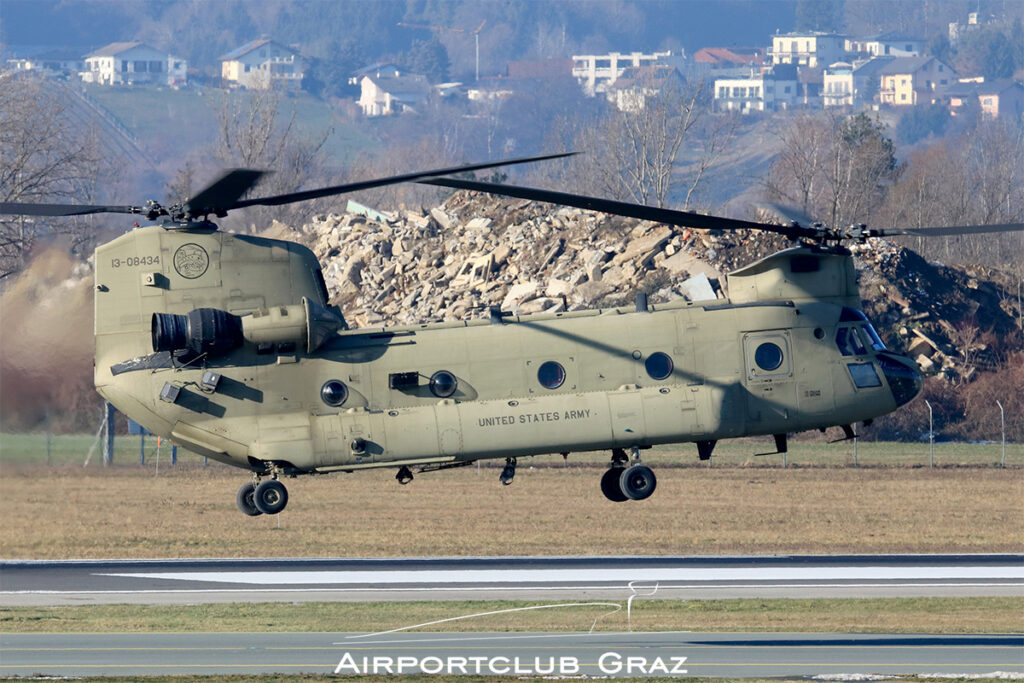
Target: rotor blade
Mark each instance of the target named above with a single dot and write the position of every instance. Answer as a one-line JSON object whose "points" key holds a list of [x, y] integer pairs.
{"points": [[223, 193], [378, 182], [22, 209], [945, 231], [650, 213]]}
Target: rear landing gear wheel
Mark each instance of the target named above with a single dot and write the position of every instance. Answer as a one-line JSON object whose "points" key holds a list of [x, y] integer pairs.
{"points": [[610, 485], [270, 497], [637, 482], [245, 500]]}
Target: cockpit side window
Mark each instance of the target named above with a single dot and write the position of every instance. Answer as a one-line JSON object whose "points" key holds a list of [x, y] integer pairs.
{"points": [[849, 341]]}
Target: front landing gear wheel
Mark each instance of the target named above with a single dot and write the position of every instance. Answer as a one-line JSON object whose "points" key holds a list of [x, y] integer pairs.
{"points": [[245, 500], [610, 485], [270, 497], [638, 482]]}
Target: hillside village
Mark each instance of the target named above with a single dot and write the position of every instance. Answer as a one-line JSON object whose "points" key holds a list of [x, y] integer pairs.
{"points": [[793, 70]]}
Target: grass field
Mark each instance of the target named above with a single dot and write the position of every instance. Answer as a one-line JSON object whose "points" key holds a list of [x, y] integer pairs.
{"points": [[127, 510], [869, 615]]}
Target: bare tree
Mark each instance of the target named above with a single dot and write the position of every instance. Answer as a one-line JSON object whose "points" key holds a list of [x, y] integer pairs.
{"points": [[254, 132], [46, 155], [633, 155], [834, 168]]}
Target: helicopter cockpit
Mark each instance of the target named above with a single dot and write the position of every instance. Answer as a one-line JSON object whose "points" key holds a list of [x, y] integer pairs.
{"points": [[857, 337]]}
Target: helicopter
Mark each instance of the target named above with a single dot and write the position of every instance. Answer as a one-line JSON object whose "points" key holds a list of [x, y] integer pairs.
{"points": [[227, 345]]}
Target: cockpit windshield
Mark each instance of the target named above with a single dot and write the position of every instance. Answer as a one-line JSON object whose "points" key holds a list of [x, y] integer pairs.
{"points": [[855, 335]]}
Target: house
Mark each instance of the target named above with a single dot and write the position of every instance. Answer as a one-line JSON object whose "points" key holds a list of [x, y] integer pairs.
{"points": [[263, 64], [907, 81], [891, 44], [1002, 97], [767, 90], [596, 72], [809, 48], [53, 63], [391, 92], [133, 63], [846, 84], [636, 84]]}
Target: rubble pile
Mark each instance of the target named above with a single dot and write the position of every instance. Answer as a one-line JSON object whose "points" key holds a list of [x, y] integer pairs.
{"points": [[457, 260], [474, 252]]}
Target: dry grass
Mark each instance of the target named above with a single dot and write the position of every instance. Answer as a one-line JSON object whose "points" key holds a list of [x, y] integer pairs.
{"points": [[866, 615], [126, 511]]}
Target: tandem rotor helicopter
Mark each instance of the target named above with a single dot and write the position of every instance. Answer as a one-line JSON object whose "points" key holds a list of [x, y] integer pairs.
{"points": [[226, 344]]}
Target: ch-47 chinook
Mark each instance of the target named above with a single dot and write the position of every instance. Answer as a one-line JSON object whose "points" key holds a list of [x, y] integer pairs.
{"points": [[226, 344]]}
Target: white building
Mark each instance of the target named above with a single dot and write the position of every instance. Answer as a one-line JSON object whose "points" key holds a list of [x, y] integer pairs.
{"points": [[853, 84], [889, 44], [810, 49], [263, 64], [392, 93], [133, 63], [596, 72], [769, 90]]}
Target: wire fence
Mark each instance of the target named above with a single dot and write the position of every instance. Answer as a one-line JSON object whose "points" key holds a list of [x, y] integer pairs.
{"points": [[123, 446]]}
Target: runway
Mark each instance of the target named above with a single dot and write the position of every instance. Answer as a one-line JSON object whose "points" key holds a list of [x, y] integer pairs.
{"points": [[746, 655], [806, 576]]}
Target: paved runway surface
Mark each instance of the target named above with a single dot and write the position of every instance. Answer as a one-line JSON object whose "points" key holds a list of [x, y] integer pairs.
{"points": [[175, 581], [616, 654]]}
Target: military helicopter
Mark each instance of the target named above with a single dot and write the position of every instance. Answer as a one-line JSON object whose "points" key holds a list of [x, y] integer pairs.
{"points": [[227, 345]]}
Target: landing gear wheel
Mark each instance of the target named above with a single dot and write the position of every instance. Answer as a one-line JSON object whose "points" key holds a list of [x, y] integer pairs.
{"points": [[637, 482], [245, 499], [270, 497], [610, 485]]}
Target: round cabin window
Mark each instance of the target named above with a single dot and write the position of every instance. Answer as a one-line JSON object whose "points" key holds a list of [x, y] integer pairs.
{"points": [[659, 365], [334, 392], [551, 375], [768, 356], [443, 384]]}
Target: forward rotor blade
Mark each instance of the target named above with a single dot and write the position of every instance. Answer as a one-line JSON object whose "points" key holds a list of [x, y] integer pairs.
{"points": [[223, 193], [22, 209], [650, 213], [378, 182], [946, 231]]}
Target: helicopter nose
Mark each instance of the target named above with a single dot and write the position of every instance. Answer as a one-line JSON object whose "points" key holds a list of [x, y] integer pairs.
{"points": [[905, 380]]}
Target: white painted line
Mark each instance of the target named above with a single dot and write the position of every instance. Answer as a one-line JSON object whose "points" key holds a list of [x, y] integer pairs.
{"points": [[601, 576]]}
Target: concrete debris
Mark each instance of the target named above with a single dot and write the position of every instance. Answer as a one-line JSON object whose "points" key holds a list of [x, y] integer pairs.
{"points": [[455, 261]]}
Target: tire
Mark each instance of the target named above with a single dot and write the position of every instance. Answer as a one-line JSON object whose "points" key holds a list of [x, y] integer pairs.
{"points": [[638, 482], [270, 497], [245, 499], [610, 485]]}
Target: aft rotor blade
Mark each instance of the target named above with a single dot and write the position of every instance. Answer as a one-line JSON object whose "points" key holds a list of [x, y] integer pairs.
{"points": [[223, 193], [950, 230], [22, 209], [378, 182], [650, 213]]}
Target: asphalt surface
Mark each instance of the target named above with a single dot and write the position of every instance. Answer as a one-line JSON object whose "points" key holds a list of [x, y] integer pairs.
{"points": [[192, 581], [569, 654]]}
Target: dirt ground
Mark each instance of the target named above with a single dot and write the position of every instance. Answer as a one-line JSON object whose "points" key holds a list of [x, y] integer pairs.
{"points": [[189, 511]]}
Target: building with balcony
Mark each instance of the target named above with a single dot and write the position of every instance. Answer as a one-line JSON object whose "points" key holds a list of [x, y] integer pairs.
{"points": [[907, 81], [263, 64], [596, 72], [133, 63], [807, 49], [846, 84], [889, 44], [767, 90]]}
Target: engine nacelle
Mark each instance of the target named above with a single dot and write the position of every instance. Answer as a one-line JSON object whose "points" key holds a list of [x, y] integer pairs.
{"points": [[215, 332]]}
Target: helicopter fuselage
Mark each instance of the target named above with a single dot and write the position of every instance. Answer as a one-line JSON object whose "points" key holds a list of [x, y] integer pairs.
{"points": [[788, 352]]}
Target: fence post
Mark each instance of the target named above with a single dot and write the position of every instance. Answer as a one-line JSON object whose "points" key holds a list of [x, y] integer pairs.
{"points": [[142, 447], [855, 451], [108, 442], [49, 434], [931, 436], [1002, 428]]}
